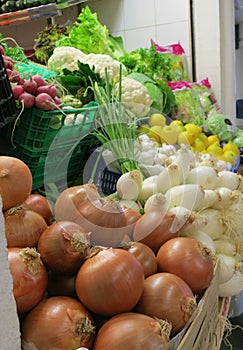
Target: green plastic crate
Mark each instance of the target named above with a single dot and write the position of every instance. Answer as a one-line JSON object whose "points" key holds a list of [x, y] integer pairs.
{"points": [[64, 162], [38, 130]]}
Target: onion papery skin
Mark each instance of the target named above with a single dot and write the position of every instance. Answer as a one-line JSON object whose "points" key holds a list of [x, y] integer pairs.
{"points": [[189, 259], [145, 256], [110, 282], [69, 199], [63, 247], [168, 297], [132, 217], [15, 182], [29, 277], [105, 219], [58, 323], [40, 205], [23, 227], [132, 331], [154, 229]]}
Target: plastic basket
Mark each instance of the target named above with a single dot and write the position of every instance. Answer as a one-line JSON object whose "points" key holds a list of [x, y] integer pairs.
{"points": [[64, 162], [8, 108], [38, 129]]}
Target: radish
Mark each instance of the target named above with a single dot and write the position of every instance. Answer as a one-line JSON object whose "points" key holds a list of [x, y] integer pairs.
{"points": [[17, 91], [9, 72], [47, 89], [45, 102], [2, 49], [27, 99], [39, 80], [30, 86], [8, 62], [14, 76]]}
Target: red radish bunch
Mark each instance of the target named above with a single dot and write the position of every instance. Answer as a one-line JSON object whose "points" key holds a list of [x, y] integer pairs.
{"points": [[32, 92]]}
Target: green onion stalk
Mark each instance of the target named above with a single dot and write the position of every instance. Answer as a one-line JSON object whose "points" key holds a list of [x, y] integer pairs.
{"points": [[115, 125]]}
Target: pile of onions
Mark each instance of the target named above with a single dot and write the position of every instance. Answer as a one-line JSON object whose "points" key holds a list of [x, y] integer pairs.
{"points": [[132, 331], [105, 219], [168, 297], [110, 281], [40, 205], [69, 199], [15, 182], [58, 323], [188, 259], [154, 228], [63, 247], [23, 227], [29, 277]]}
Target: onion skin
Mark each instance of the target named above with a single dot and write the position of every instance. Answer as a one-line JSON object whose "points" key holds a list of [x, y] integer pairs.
{"points": [[63, 247], [168, 297], [23, 227], [58, 322], [153, 229], [189, 259], [105, 219], [132, 331], [145, 256], [110, 282], [40, 205], [29, 277], [68, 200], [15, 182]]}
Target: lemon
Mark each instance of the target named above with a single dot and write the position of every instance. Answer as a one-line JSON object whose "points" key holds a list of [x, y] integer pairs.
{"points": [[230, 146], [155, 132], [157, 119], [204, 139], [186, 137], [177, 124], [194, 129], [198, 145], [212, 139], [215, 149], [229, 156]]}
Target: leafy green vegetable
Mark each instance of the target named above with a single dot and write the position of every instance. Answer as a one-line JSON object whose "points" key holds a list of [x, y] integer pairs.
{"points": [[90, 36], [16, 52], [216, 124]]}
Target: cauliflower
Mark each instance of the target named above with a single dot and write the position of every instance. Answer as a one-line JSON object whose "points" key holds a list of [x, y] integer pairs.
{"points": [[102, 62], [135, 96], [65, 57]]}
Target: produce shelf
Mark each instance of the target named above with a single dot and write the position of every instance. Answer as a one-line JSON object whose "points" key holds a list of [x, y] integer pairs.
{"points": [[28, 15]]}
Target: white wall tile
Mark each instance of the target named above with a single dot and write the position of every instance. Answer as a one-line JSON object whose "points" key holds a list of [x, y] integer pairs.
{"points": [[170, 11], [135, 38], [139, 13]]}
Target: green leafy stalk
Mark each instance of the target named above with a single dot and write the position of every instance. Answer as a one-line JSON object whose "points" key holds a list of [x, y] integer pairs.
{"points": [[115, 125]]}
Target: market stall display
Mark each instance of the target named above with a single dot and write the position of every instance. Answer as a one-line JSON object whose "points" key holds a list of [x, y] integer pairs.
{"points": [[171, 220]]}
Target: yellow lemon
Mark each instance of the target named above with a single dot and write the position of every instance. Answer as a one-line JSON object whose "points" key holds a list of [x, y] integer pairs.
{"points": [[229, 156], [157, 119], [212, 139], [204, 139], [155, 132], [215, 149], [198, 145], [177, 124], [230, 146], [169, 135], [186, 137], [193, 128]]}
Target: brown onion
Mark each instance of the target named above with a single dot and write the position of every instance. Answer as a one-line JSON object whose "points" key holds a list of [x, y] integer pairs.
{"points": [[58, 323], [153, 229], [133, 331], [69, 199], [40, 205], [189, 259], [105, 219], [110, 281], [15, 181], [168, 297], [145, 256], [132, 217], [29, 277], [63, 247], [23, 227]]}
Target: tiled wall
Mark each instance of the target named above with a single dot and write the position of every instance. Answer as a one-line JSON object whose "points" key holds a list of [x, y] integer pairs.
{"points": [[137, 21]]}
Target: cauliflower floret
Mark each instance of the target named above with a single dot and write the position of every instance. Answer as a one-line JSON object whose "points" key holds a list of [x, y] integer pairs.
{"points": [[65, 57], [135, 96], [102, 62]]}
